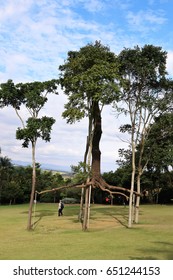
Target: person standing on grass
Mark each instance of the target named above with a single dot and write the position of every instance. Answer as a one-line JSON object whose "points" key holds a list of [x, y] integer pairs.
{"points": [[60, 208]]}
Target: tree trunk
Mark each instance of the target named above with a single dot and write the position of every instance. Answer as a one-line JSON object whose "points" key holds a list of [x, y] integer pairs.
{"points": [[81, 205], [89, 204], [87, 155], [133, 208], [138, 198], [85, 220], [130, 219], [96, 154], [140, 171], [29, 226]]}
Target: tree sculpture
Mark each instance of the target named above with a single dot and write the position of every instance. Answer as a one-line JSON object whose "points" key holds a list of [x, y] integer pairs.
{"points": [[33, 97], [89, 79]]}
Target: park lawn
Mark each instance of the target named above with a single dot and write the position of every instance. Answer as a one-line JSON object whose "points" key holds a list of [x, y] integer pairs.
{"points": [[108, 238]]}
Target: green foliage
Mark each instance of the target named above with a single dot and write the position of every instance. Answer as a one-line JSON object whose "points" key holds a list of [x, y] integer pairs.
{"points": [[35, 128], [33, 94], [15, 184], [143, 77], [146, 65], [159, 144], [6, 170], [88, 75], [10, 95], [120, 177]]}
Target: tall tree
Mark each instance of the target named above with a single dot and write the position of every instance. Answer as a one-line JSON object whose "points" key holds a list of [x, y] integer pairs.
{"points": [[33, 97], [144, 91], [88, 78]]}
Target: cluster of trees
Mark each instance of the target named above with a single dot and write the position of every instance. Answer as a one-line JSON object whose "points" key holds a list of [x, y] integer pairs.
{"points": [[136, 83], [16, 181]]}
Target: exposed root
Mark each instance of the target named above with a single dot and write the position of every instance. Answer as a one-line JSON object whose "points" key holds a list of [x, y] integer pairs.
{"points": [[95, 183]]}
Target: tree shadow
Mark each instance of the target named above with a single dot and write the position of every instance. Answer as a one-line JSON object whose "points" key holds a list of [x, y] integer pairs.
{"points": [[155, 251], [40, 214], [120, 221], [120, 215], [113, 211]]}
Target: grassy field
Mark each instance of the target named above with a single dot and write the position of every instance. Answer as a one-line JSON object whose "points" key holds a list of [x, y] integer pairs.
{"points": [[61, 238]]}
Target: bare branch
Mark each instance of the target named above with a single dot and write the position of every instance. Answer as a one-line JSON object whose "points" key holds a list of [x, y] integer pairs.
{"points": [[17, 113]]}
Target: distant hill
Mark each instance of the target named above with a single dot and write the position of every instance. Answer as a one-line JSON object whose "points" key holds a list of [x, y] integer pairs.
{"points": [[50, 167]]}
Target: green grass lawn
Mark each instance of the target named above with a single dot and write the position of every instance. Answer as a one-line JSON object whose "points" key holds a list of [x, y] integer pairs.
{"points": [[61, 238]]}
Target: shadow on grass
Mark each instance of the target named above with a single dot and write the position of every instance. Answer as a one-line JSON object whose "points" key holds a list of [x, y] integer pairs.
{"points": [[152, 254], [120, 211], [120, 214], [122, 222], [40, 214]]}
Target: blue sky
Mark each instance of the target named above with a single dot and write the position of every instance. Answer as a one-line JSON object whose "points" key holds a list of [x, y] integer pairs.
{"points": [[35, 37]]}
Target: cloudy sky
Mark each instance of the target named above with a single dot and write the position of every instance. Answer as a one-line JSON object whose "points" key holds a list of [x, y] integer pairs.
{"points": [[35, 37]]}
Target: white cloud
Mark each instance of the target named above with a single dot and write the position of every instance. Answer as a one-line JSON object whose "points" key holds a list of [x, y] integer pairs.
{"points": [[13, 10], [145, 21], [40, 38]]}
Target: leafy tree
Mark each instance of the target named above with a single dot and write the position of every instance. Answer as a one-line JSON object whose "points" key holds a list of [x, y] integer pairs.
{"points": [[144, 89], [48, 181], [120, 177], [89, 79], [33, 96]]}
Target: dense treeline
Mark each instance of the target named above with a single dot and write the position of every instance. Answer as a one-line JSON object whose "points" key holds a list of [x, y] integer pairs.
{"points": [[154, 188], [15, 184]]}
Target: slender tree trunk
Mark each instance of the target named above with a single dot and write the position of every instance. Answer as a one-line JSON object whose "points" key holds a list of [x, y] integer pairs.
{"points": [[29, 226], [88, 155], [89, 204], [81, 205], [130, 219], [140, 172], [85, 221], [138, 198], [81, 214], [86, 217], [133, 208]]}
